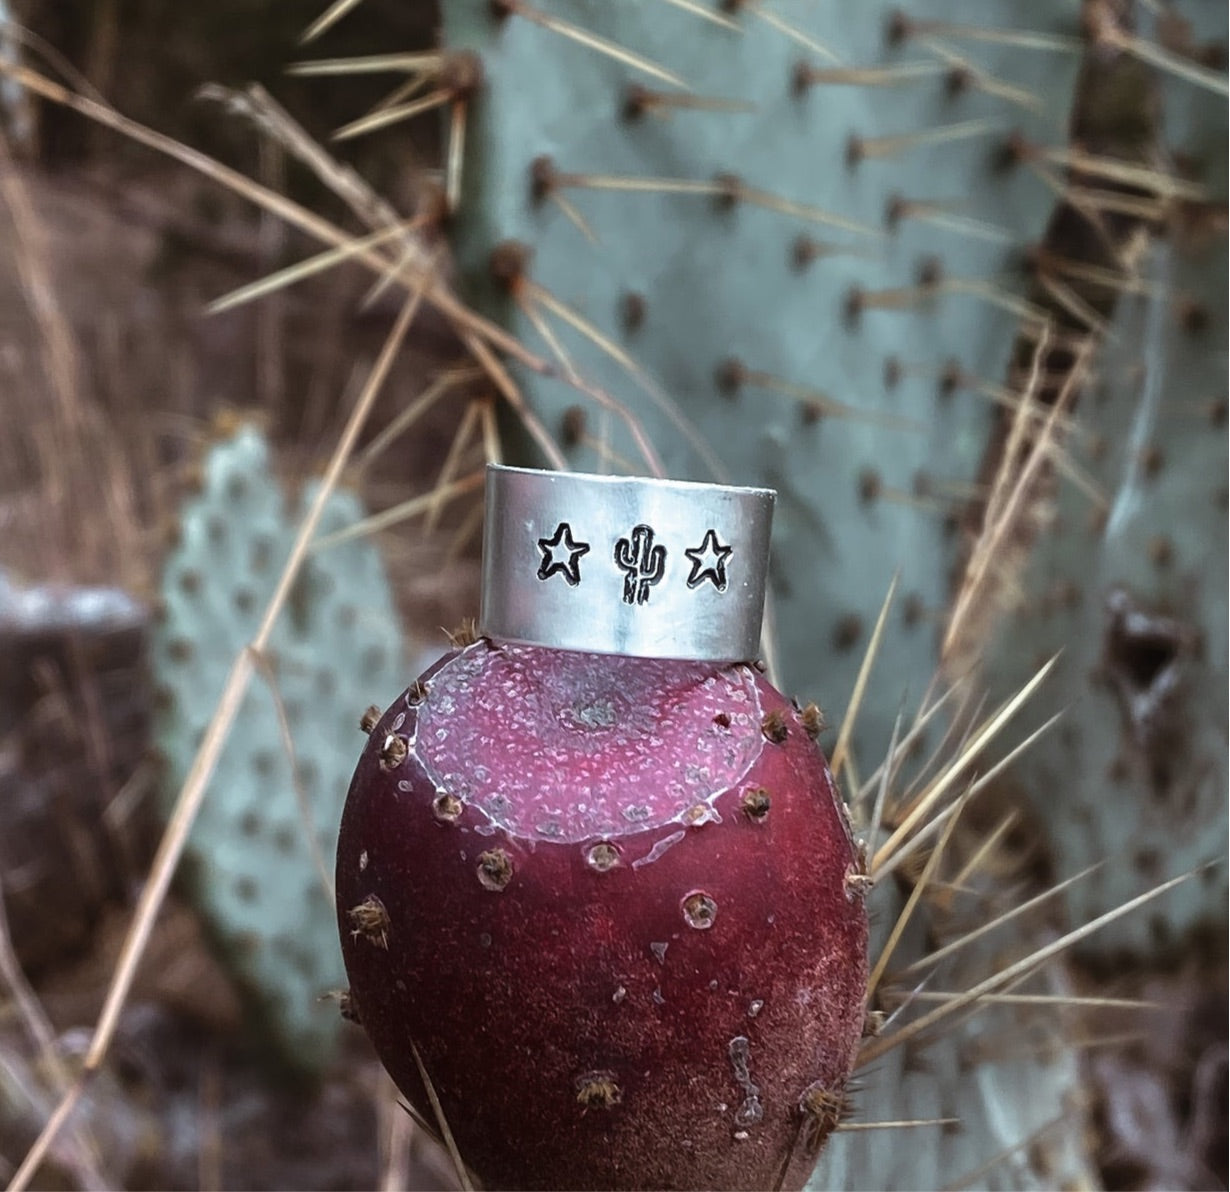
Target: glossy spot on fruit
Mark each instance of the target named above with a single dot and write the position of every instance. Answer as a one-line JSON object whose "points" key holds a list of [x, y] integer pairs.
{"points": [[659, 849], [699, 910], [495, 869], [602, 856], [751, 1111]]}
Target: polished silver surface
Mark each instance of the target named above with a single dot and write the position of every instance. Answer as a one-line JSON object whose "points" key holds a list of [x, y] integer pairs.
{"points": [[619, 565]]}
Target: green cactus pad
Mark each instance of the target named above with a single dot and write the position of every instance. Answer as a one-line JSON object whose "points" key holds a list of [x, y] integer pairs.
{"points": [[334, 651], [1008, 1076], [770, 284], [1135, 595], [1133, 588]]}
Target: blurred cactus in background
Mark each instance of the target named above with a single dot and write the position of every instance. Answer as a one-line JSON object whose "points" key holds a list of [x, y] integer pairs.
{"points": [[950, 275], [1128, 574], [898, 266], [261, 852], [789, 240]]}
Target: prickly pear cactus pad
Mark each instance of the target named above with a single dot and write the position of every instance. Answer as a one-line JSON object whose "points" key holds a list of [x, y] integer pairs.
{"points": [[998, 1097], [798, 221], [256, 866], [1131, 584], [614, 907]]}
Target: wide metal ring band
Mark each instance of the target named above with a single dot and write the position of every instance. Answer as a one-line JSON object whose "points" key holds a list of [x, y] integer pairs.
{"points": [[618, 565]]}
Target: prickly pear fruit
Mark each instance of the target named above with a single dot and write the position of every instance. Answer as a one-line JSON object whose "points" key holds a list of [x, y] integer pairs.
{"points": [[614, 906]]}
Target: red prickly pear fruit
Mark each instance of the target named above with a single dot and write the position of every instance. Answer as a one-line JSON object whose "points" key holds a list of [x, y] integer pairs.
{"points": [[613, 904]]}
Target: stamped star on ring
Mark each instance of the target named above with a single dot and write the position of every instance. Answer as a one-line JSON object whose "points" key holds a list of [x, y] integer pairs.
{"points": [[709, 562], [552, 562]]}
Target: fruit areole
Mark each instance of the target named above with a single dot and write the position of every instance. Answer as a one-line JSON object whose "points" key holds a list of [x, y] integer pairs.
{"points": [[615, 907]]}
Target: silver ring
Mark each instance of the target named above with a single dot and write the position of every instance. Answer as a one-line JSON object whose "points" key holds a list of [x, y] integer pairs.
{"points": [[619, 565]]}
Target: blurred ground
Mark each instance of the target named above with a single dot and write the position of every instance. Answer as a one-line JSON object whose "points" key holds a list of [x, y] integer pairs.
{"points": [[111, 376]]}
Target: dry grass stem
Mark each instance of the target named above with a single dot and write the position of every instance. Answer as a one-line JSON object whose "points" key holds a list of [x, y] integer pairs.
{"points": [[601, 45], [81, 1151], [461, 441], [894, 858], [669, 407], [770, 18], [975, 997], [463, 1176], [697, 9], [935, 957], [1008, 505], [415, 507], [652, 461], [328, 18], [406, 418], [313, 266], [939, 787], [974, 1177], [196, 784], [1045, 999], [841, 750], [906, 1124], [396, 1141], [921, 887], [897, 753]]}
